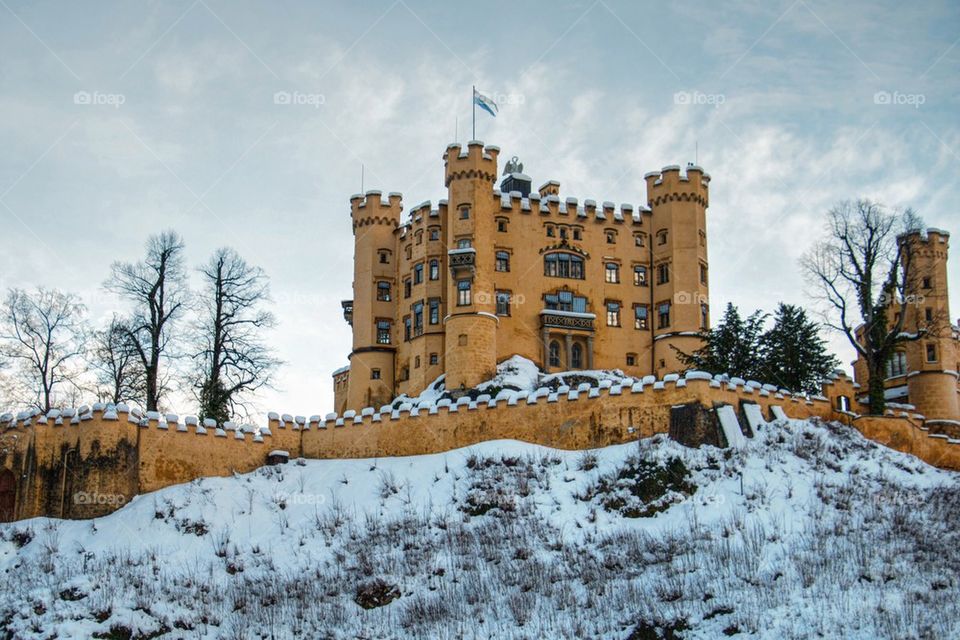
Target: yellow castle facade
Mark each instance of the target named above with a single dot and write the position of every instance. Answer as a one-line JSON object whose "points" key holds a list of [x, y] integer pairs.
{"points": [[923, 372], [495, 270]]}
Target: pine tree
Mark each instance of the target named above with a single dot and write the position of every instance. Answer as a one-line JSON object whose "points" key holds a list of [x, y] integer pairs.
{"points": [[795, 356], [732, 347]]}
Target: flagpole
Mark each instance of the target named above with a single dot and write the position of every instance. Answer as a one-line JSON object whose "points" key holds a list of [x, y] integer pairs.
{"points": [[473, 103]]}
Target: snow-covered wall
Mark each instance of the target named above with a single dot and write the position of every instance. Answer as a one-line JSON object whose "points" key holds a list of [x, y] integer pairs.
{"points": [[86, 462]]}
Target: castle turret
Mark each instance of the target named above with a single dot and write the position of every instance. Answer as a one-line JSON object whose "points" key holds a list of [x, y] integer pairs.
{"points": [[932, 360], [373, 308], [678, 248], [471, 322]]}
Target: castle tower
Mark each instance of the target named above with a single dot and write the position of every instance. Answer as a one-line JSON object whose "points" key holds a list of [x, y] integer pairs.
{"points": [[374, 306], [932, 360], [471, 322], [678, 248]]}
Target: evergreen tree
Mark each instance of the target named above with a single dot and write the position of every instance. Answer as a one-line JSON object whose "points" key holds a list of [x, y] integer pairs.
{"points": [[732, 347], [795, 356]]}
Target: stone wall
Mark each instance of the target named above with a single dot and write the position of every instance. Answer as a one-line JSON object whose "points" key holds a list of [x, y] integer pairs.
{"points": [[80, 464]]}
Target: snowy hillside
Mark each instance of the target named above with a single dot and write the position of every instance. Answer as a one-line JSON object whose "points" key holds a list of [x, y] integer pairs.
{"points": [[832, 536]]}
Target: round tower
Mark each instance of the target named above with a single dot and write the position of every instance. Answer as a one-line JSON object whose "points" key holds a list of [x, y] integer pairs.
{"points": [[678, 260], [470, 341], [375, 221], [931, 360]]}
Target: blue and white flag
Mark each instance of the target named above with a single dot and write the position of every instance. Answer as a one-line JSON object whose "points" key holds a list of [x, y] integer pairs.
{"points": [[485, 102]]}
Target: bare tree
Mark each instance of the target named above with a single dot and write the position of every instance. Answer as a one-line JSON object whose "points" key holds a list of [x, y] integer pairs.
{"points": [[42, 335], [157, 288], [865, 271], [233, 357], [117, 365]]}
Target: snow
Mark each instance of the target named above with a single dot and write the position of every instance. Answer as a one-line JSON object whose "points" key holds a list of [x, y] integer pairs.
{"points": [[829, 535], [731, 426], [754, 417]]}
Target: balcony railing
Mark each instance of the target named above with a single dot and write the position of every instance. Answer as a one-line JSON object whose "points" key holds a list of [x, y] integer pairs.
{"points": [[462, 260], [567, 319], [347, 311]]}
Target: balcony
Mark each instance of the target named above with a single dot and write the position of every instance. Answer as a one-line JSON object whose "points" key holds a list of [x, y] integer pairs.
{"points": [[554, 319], [462, 261], [347, 311]]}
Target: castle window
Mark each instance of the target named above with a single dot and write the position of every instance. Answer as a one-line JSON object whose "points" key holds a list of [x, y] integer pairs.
{"points": [[434, 304], [663, 315], [434, 358], [897, 364], [639, 239], [612, 272], [464, 212], [703, 273], [418, 319], [434, 269], [703, 238], [926, 283], [663, 273], [928, 314], [577, 234], [576, 356], [408, 250], [416, 362], [383, 332], [384, 256], [554, 356], [406, 327], [631, 359], [662, 237], [407, 288], [565, 301], [611, 237], [704, 316], [640, 313], [501, 225], [383, 291], [374, 374], [931, 353], [503, 303], [418, 273], [464, 243], [434, 233], [613, 314], [563, 265], [639, 275], [550, 232], [419, 237], [503, 261], [464, 293]]}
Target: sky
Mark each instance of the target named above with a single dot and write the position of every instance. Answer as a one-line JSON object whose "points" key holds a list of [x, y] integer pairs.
{"points": [[245, 124]]}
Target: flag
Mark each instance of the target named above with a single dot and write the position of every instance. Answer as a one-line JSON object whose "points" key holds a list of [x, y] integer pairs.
{"points": [[485, 102]]}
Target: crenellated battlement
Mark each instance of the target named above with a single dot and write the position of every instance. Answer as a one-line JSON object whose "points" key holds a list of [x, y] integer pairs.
{"points": [[371, 209], [669, 184], [476, 161], [118, 450], [552, 205]]}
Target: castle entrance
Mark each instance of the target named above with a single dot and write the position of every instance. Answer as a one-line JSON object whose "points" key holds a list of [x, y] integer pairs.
{"points": [[8, 495]]}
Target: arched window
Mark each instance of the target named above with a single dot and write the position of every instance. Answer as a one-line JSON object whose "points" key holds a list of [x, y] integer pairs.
{"points": [[554, 358], [576, 356], [563, 265], [434, 269]]}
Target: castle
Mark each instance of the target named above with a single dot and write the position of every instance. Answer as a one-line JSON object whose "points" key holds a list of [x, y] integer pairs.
{"points": [[924, 372], [489, 273], [453, 291]]}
